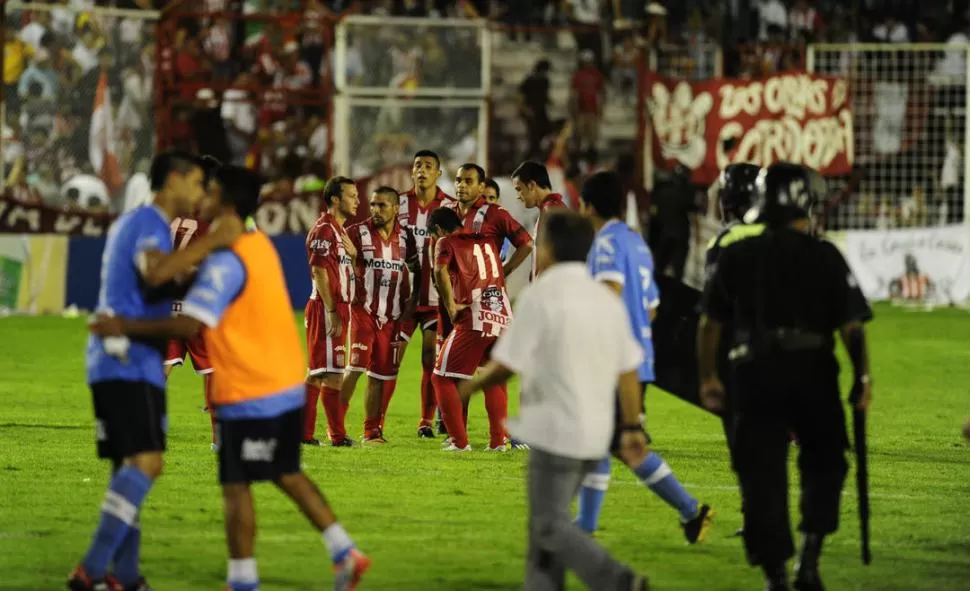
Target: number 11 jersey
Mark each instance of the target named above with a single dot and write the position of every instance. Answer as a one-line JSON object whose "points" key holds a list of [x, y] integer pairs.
{"points": [[477, 281]]}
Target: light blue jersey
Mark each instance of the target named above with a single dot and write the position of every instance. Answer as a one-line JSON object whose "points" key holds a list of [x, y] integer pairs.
{"points": [[123, 293], [620, 255]]}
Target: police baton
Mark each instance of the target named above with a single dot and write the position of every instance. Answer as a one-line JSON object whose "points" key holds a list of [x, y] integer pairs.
{"points": [[862, 469]]}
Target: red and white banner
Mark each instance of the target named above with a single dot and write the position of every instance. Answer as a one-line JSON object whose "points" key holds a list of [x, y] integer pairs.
{"points": [[102, 144], [794, 117]]}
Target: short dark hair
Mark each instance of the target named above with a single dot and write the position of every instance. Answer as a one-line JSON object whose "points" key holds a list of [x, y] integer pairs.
{"points": [[568, 234], [387, 190], [531, 171], [493, 184], [335, 188], [166, 163], [604, 192], [210, 165], [445, 218], [241, 188], [478, 170], [427, 154]]}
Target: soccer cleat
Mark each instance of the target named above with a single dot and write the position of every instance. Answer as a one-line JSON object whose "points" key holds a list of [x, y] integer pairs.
{"points": [[214, 446], [79, 580], [696, 529], [448, 441], [348, 572], [452, 447], [375, 437], [425, 432], [140, 585], [442, 429], [345, 442], [516, 444], [500, 449], [311, 441]]}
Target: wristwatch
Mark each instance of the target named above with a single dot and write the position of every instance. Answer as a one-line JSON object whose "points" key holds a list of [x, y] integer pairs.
{"points": [[631, 427]]}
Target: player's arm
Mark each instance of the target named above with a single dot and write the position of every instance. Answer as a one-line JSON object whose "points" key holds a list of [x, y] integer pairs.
{"points": [[220, 280], [852, 311], [520, 239], [716, 308], [158, 268], [443, 257], [321, 279]]}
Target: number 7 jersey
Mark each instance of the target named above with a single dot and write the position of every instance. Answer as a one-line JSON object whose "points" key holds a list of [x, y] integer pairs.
{"points": [[184, 231], [477, 281], [619, 255]]}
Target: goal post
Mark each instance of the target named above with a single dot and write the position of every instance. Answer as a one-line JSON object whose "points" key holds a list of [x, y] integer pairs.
{"points": [[911, 130], [406, 84]]}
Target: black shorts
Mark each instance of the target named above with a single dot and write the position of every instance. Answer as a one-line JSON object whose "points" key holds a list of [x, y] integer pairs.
{"points": [[130, 418], [254, 450], [617, 423]]}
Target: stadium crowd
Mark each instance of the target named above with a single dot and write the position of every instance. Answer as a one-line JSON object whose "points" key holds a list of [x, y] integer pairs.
{"points": [[256, 90]]}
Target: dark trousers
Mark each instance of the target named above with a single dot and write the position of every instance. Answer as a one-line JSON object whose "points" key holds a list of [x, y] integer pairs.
{"points": [[768, 407], [671, 251]]}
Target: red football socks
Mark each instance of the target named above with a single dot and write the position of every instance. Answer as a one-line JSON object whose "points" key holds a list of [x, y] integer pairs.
{"points": [[497, 407], [310, 411], [389, 387], [429, 403], [207, 392], [451, 411], [336, 411]]}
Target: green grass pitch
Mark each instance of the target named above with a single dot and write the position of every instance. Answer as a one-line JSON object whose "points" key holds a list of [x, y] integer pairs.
{"points": [[433, 521]]}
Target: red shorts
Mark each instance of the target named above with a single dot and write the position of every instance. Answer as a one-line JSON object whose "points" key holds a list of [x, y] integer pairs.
{"points": [[326, 354], [462, 353], [372, 349], [195, 348], [426, 318]]}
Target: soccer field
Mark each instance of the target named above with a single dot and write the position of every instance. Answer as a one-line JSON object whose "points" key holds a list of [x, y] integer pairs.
{"points": [[435, 521]]}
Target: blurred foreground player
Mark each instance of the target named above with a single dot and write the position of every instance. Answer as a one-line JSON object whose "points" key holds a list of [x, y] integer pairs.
{"points": [[184, 231], [621, 260], [126, 376], [785, 292], [569, 393], [386, 251], [416, 206], [258, 384], [472, 287], [331, 254]]}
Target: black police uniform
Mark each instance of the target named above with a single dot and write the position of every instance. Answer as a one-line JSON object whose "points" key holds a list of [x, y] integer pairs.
{"points": [[784, 293]]}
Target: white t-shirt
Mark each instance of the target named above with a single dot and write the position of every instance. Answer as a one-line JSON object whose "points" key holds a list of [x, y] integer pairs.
{"points": [[91, 190], [240, 111], [32, 34], [771, 12], [586, 11], [569, 342]]}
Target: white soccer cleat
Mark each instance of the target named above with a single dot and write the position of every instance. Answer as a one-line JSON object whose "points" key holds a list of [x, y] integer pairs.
{"points": [[500, 449], [453, 447]]}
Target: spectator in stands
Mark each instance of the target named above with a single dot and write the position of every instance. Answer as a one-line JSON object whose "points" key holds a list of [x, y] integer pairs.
{"points": [[771, 12], [586, 18], [41, 73], [534, 107], [586, 104], [626, 63], [239, 118], [16, 54], [804, 22], [36, 33], [890, 30]]}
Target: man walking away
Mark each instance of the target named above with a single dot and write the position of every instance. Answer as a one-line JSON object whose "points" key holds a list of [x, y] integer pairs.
{"points": [[567, 408]]}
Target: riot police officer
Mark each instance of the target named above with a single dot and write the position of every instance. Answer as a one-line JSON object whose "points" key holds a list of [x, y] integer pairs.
{"points": [[785, 292]]}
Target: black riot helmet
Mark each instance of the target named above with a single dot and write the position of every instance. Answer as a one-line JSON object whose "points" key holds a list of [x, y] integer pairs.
{"points": [[785, 192], [734, 188]]}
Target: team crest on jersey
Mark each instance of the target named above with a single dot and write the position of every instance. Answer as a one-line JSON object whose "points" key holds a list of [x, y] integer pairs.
{"points": [[493, 299], [321, 245]]}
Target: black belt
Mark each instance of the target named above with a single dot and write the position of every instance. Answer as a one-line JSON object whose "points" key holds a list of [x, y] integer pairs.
{"points": [[780, 339]]}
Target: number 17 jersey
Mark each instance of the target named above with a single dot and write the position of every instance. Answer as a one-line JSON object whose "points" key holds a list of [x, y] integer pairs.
{"points": [[620, 255], [477, 281]]}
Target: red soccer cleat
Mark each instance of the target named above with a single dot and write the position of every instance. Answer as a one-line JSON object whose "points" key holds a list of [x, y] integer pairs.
{"points": [[348, 572]]}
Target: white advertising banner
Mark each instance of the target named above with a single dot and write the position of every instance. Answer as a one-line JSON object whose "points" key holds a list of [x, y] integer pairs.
{"points": [[928, 265]]}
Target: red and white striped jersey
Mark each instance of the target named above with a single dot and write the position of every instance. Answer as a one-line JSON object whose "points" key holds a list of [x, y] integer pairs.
{"points": [[477, 281], [184, 231], [552, 201], [382, 269], [414, 217], [325, 249], [494, 222]]}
